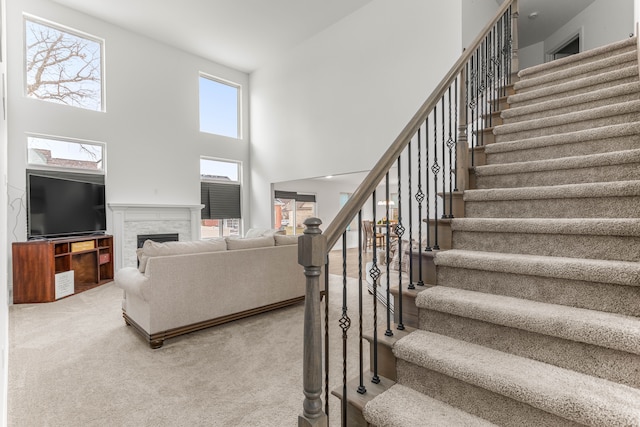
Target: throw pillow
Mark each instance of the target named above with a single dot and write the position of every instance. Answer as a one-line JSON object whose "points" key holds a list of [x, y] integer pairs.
{"points": [[256, 242], [285, 240], [152, 249]]}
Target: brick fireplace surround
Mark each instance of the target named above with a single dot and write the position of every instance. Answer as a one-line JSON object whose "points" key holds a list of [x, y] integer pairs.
{"points": [[130, 220]]}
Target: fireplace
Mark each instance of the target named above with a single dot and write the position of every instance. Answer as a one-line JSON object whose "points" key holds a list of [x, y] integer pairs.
{"points": [[128, 221]]}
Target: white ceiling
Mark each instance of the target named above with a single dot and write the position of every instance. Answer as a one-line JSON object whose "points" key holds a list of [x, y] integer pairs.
{"points": [[244, 34], [241, 34]]}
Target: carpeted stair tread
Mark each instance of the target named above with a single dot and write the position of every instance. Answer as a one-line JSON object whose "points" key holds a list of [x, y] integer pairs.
{"points": [[402, 406], [575, 101], [566, 191], [611, 48], [585, 226], [589, 270], [570, 88], [575, 162], [601, 133], [568, 394], [578, 70], [606, 111], [614, 331], [616, 239]]}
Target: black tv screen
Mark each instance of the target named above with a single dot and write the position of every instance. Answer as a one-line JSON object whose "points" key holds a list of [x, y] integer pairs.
{"points": [[63, 207]]}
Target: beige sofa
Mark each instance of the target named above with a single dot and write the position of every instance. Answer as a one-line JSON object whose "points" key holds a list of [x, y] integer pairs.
{"points": [[181, 287]]}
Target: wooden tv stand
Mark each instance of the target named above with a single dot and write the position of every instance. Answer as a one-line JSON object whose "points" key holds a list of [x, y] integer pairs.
{"points": [[36, 263]]}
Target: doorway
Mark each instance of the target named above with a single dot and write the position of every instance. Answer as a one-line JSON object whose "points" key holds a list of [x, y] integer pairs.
{"points": [[570, 48]]}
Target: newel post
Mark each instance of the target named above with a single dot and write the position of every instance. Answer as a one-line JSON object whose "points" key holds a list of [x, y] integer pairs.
{"points": [[515, 60], [462, 148], [312, 252]]}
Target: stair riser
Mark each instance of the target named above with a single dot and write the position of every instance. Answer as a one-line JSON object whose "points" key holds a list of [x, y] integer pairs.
{"points": [[605, 297], [613, 365], [628, 142], [577, 91], [603, 207], [527, 86], [609, 173], [618, 248], [538, 128], [571, 108], [604, 55], [475, 400]]}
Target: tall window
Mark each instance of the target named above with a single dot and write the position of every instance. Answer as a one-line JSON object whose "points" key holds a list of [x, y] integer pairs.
{"points": [[291, 209], [47, 152], [63, 66], [219, 107], [220, 190]]}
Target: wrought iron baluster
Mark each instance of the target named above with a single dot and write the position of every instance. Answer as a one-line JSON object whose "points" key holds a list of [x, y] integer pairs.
{"points": [[444, 165], [388, 332], [482, 78], [411, 285], [467, 108], [345, 324], [450, 144], [375, 275], [435, 169], [399, 233], [426, 178], [361, 388], [420, 198]]}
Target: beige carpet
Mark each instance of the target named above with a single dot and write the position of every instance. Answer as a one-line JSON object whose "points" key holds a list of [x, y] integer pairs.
{"points": [[75, 363]]}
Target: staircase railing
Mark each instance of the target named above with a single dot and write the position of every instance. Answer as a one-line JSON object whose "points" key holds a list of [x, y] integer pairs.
{"points": [[431, 161]]}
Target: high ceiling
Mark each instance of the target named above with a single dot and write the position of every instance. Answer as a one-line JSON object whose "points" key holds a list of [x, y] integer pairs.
{"points": [[244, 34]]}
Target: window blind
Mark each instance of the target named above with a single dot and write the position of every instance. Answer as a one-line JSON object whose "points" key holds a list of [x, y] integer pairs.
{"points": [[292, 195], [221, 201]]}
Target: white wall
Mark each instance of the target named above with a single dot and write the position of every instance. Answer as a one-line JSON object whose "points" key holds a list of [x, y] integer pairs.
{"points": [[334, 103], [529, 56], [475, 15], [151, 123], [4, 264], [603, 22]]}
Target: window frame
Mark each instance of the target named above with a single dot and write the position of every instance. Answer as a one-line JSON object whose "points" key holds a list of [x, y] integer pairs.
{"points": [[239, 118], [74, 32], [238, 182], [39, 166]]}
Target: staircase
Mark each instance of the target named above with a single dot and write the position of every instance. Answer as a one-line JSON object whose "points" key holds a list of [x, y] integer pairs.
{"points": [[535, 316]]}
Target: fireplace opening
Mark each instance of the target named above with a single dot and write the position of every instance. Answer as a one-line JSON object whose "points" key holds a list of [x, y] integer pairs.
{"points": [[160, 238]]}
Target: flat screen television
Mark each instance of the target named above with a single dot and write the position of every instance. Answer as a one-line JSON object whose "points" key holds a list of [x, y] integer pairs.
{"points": [[58, 207]]}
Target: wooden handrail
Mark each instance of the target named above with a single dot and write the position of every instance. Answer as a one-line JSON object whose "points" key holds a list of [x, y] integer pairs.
{"points": [[363, 192]]}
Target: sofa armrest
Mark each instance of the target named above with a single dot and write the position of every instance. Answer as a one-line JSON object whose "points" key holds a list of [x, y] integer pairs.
{"points": [[131, 280]]}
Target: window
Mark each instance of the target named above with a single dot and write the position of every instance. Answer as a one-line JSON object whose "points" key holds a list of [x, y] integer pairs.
{"points": [[63, 66], [291, 209], [47, 152], [219, 107], [220, 193]]}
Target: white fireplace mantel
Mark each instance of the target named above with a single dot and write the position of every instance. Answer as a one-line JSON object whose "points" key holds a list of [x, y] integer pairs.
{"points": [[130, 219]]}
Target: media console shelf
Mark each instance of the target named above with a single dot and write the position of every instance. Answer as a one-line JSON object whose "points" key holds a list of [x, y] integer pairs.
{"points": [[36, 263]]}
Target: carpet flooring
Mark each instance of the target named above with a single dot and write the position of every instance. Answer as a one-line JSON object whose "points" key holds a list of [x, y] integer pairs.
{"points": [[74, 362]]}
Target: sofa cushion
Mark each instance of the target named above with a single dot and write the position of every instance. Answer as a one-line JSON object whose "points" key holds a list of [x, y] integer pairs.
{"points": [[261, 232], [151, 248], [285, 240], [256, 242]]}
